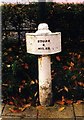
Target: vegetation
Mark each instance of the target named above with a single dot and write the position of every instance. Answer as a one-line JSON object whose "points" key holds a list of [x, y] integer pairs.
{"points": [[20, 69]]}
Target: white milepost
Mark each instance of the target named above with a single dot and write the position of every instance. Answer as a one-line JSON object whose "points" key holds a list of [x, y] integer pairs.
{"points": [[45, 84], [43, 42]]}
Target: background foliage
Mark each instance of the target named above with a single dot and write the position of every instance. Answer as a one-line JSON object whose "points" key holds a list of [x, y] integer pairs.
{"points": [[20, 69]]}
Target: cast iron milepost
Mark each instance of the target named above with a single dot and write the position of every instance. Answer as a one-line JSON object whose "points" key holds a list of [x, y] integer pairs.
{"points": [[44, 43]]}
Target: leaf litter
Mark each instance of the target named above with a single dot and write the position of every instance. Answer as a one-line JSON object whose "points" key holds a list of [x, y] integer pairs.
{"points": [[19, 109]]}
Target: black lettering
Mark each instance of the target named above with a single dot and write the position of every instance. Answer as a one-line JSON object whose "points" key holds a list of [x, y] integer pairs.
{"points": [[41, 48], [40, 41], [38, 48], [48, 48]]}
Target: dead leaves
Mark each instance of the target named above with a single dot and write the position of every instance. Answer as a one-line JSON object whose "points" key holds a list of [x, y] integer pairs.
{"points": [[65, 67], [73, 77], [79, 102], [14, 110], [32, 82], [39, 107], [69, 101], [11, 103], [66, 88], [81, 84], [58, 58], [64, 101], [61, 109], [19, 109], [25, 106], [60, 102], [71, 64]]}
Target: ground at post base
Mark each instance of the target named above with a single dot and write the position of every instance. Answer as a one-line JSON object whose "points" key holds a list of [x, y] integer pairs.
{"points": [[60, 112]]}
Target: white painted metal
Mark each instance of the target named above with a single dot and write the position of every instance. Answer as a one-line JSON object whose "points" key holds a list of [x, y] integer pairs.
{"points": [[43, 43], [45, 84]]}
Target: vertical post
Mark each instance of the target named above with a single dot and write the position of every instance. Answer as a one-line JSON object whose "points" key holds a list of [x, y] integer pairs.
{"points": [[45, 85], [42, 11], [44, 67], [44, 43]]}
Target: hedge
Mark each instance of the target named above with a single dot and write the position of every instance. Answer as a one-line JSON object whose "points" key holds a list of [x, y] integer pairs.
{"points": [[20, 70]]}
